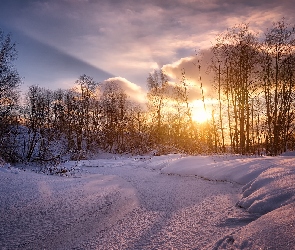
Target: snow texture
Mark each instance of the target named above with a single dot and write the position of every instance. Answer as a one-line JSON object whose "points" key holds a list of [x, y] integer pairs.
{"points": [[151, 202]]}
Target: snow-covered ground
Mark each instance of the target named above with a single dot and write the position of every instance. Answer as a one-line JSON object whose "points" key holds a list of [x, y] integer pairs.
{"points": [[159, 202]]}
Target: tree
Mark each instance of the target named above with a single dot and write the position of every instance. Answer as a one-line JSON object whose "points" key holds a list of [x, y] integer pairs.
{"points": [[137, 138], [235, 60], [113, 104], [87, 88], [9, 83], [157, 83], [278, 83], [39, 123], [184, 131]]}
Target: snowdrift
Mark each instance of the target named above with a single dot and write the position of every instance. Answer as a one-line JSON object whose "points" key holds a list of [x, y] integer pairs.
{"points": [[267, 196], [274, 230], [272, 189], [268, 193]]}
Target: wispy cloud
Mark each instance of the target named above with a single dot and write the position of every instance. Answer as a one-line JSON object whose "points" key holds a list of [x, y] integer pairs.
{"points": [[130, 38], [133, 91]]}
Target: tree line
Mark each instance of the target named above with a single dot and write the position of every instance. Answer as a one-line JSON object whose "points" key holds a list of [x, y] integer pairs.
{"points": [[54, 123], [255, 78], [252, 75]]}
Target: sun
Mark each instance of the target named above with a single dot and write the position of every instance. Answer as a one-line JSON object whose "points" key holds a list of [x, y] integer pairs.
{"points": [[200, 115]]}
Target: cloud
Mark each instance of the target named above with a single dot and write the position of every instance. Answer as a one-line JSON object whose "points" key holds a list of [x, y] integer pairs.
{"points": [[133, 91], [130, 38], [196, 71]]}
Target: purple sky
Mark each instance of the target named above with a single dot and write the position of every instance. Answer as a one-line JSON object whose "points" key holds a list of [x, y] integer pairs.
{"points": [[59, 40]]}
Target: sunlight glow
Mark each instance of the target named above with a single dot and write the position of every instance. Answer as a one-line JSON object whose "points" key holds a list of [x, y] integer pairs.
{"points": [[200, 115]]}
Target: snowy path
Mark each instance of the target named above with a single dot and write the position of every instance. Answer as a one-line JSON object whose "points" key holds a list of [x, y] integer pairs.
{"points": [[173, 211], [50, 212], [119, 204]]}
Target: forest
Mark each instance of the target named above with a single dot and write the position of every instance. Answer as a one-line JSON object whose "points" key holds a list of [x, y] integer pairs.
{"points": [[253, 78]]}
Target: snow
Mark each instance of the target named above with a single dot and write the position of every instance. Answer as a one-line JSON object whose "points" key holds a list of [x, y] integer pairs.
{"points": [[272, 189], [268, 194], [151, 202], [221, 168], [50, 212], [274, 230]]}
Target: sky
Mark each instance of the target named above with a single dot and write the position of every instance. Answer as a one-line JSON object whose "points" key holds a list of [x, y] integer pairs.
{"points": [[125, 40]]}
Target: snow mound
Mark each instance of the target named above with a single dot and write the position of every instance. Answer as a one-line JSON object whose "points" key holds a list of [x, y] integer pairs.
{"points": [[269, 181], [272, 189], [232, 169], [274, 230]]}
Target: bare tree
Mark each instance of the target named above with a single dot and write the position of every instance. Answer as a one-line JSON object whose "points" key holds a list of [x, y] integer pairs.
{"points": [[87, 88], [114, 116], [9, 83], [38, 122], [277, 77], [157, 96], [235, 59]]}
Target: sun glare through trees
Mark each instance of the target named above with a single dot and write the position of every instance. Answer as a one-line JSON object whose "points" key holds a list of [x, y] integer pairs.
{"points": [[249, 109], [200, 115]]}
